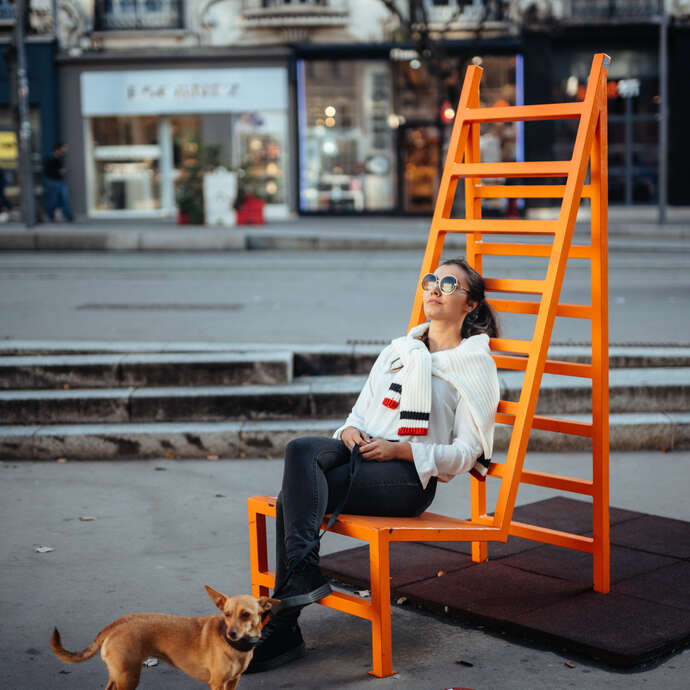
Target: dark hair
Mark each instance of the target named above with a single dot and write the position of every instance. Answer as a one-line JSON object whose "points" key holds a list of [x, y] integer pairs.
{"points": [[482, 318], [58, 145]]}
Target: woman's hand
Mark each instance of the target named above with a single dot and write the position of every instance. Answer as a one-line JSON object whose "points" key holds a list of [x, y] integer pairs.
{"points": [[352, 436], [380, 450]]}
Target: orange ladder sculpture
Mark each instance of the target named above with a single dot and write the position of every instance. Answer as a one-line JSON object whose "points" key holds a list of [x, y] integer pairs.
{"points": [[463, 161]]}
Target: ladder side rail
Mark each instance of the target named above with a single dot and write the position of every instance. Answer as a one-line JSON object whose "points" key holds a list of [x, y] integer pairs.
{"points": [[448, 186], [600, 361], [473, 211], [553, 281]]}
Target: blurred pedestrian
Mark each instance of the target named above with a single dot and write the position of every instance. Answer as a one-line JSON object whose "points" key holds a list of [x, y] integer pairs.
{"points": [[5, 205], [55, 193]]}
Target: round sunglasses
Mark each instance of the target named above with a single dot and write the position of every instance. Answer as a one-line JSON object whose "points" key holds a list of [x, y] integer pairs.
{"points": [[447, 285]]}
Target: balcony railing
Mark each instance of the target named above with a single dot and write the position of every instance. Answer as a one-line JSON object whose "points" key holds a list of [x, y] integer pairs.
{"points": [[285, 14], [606, 10], [133, 15], [464, 13]]}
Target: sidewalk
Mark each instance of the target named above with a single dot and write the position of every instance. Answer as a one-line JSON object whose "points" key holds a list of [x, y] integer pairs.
{"points": [[633, 229], [165, 528]]}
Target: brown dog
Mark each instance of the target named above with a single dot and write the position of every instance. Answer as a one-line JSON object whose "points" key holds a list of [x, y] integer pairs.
{"points": [[212, 649]]}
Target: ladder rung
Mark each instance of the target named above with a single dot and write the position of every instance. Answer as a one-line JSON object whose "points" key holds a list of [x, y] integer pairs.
{"points": [[507, 410], [525, 191], [523, 347], [499, 226], [528, 169], [524, 113], [552, 366], [548, 480], [577, 251], [514, 285], [552, 536], [571, 311]]}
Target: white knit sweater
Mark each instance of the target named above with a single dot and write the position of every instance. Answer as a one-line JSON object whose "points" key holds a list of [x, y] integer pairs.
{"points": [[464, 396]]}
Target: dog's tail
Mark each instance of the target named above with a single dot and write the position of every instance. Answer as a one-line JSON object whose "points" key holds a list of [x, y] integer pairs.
{"points": [[73, 657]]}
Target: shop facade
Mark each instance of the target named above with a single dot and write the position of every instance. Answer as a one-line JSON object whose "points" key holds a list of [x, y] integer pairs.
{"points": [[140, 131]]}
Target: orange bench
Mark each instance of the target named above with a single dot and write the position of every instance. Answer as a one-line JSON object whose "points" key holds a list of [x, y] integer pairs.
{"points": [[463, 161]]}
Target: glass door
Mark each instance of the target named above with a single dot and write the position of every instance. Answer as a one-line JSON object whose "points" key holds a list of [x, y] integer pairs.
{"points": [[420, 158]]}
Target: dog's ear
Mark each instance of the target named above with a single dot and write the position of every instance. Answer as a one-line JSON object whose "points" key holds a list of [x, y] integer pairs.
{"points": [[216, 597], [265, 603]]}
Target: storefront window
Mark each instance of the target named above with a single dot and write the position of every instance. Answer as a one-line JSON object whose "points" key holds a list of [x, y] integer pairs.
{"points": [[346, 140], [125, 163]]}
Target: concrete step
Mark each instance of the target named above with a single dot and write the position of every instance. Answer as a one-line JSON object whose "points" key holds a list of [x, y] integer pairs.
{"points": [[145, 369], [319, 397], [267, 439], [308, 360]]}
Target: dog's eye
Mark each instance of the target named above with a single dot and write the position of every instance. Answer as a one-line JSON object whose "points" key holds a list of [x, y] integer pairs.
{"points": [[245, 615]]}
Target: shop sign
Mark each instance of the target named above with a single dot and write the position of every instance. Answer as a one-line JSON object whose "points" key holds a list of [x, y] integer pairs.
{"points": [[403, 55], [153, 92], [629, 88], [8, 146]]}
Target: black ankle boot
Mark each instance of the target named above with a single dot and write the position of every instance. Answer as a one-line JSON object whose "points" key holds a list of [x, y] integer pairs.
{"points": [[306, 585], [281, 642]]}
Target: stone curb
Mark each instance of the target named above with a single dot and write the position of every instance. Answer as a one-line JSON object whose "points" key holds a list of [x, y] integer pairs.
{"points": [[204, 239]]}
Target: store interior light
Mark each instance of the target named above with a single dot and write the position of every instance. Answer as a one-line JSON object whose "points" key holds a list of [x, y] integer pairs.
{"points": [[329, 147], [477, 60], [393, 121], [330, 122], [329, 111], [255, 144], [272, 169], [415, 64], [271, 187], [571, 85]]}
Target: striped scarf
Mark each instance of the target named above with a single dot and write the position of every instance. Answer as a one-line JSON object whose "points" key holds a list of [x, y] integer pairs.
{"points": [[468, 367]]}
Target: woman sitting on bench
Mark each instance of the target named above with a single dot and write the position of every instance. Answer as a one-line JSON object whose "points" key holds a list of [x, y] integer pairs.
{"points": [[435, 392]]}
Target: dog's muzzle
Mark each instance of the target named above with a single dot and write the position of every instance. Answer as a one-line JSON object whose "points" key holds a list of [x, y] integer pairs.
{"points": [[243, 644]]}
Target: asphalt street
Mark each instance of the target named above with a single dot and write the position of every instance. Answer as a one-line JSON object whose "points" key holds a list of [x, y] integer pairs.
{"points": [[302, 297], [159, 535]]}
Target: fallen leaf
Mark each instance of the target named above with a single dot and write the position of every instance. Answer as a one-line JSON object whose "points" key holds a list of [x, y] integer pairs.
{"points": [[440, 573], [61, 460], [401, 601], [220, 495], [88, 518], [150, 662], [570, 664], [169, 454], [362, 592], [65, 386], [161, 469], [212, 457], [462, 662], [44, 549]]}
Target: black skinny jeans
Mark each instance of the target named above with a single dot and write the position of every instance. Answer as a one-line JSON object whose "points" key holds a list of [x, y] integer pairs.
{"points": [[315, 480]]}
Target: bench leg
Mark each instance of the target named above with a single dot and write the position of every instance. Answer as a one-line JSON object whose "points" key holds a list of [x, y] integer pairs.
{"points": [[258, 554], [381, 645], [480, 551]]}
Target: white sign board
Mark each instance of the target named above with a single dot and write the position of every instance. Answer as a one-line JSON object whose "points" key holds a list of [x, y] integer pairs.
{"points": [[220, 190], [155, 92]]}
